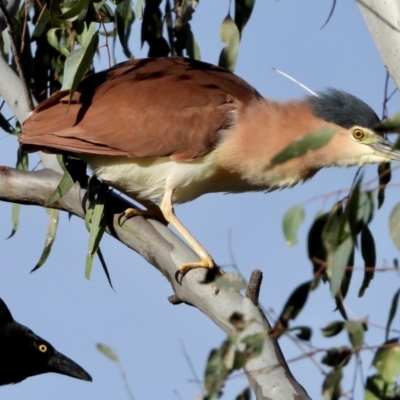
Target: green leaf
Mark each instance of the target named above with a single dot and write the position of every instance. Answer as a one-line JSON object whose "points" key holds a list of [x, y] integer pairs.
{"points": [[369, 256], [387, 361], [339, 245], [15, 210], [107, 351], [230, 35], [230, 282], [63, 187], [295, 303], [243, 10], [55, 12], [291, 223], [139, 8], [216, 371], [337, 357], [245, 394], [22, 164], [50, 237], [392, 312], [333, 328], [356, 333], [124, 19], [72, 14], [254, 344], [394, 225], [385, 175], [304, 333], [316, 249], [5, 125], [391, 124], [96, 219], [54, 39], [331, 387], [77, 64], [299, 147], [192, 48], [376, 388]]}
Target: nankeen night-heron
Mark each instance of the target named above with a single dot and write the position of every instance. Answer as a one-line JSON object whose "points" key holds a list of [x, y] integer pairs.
{"points": [[168, 130]]}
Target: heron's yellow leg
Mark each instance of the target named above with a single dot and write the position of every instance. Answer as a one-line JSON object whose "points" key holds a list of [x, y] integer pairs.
{"points": [[206, 261], [152, 211]]}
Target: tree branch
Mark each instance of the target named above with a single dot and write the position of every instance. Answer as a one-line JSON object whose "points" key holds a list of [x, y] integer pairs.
{"points": [[382, 20], [268, 374]]}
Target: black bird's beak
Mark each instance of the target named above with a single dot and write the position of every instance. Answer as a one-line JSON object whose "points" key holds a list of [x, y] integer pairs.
{"points": [[63, 365]]}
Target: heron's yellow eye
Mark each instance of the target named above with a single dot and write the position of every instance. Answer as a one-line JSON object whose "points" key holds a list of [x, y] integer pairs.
{"points": [[43, 348], [358, 134]]}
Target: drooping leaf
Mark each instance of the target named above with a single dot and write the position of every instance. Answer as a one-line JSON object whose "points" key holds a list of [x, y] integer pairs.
{"points": [[337, 357], [22, 164], [339, 245], [391, 124], [245, 394], [316, 249], [356, 333], [392, 312], [77, 63], [42, 22], [387, 361], [192, 48], [50, 237], [72, 13], [292, 220], [107, 351], [124, 18], [330, 14], [229, 34], [97, 227], [308, 142], [369, 256], [139, 9], [385, 175], [63, 187], [243, 10], [5, 125], [54, 39], [295, 303], [331, 389], [394, 225], [304, 332], [333, 328]]}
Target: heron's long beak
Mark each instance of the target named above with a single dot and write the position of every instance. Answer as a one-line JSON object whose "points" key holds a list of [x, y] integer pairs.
{"points": [[384, 148]]}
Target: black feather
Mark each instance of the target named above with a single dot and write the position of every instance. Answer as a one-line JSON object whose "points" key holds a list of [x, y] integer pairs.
{"points": [[342, 109], [24, 354]]}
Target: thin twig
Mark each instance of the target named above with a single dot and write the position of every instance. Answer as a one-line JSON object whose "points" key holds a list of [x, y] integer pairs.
{"points": [[16, 56]]}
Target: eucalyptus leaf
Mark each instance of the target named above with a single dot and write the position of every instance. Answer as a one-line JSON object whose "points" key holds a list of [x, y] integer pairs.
{"points": [[299, 147], [292, 221]]}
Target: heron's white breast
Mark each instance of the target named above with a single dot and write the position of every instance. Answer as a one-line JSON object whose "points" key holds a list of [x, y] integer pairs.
{"points": [[146, 178]]}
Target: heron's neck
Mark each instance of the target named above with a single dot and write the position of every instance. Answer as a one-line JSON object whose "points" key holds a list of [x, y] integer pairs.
{"points": [[264, 129]]}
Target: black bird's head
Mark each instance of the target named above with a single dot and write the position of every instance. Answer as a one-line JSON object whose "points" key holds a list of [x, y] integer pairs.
{"points": [[24, 354]]}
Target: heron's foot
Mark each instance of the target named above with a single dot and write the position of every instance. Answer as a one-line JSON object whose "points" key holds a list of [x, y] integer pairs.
{"points": [[153, 212], [208, 263]]}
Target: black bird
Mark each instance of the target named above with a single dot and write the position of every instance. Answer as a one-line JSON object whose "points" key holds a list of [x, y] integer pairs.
{"points": [[24, 354]]}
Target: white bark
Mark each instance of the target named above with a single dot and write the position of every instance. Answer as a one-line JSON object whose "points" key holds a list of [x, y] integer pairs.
{"points": [[383, 21]]}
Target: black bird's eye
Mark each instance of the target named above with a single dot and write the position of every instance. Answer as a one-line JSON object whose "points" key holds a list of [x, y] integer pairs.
{"points": [[43, 348], [358, 134]]}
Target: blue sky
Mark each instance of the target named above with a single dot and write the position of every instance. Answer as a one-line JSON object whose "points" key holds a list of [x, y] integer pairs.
{"points": [[136, 320]]}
